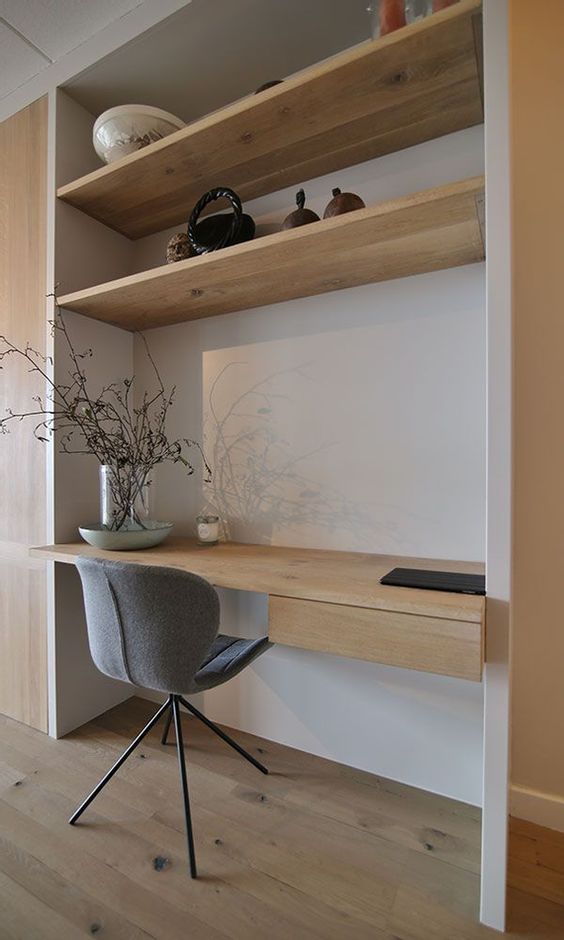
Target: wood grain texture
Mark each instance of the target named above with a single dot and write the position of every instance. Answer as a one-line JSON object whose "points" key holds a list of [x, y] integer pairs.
{"points": [[429, 644], [350, 578], [23, 232], [314, 851], [428, 231], [412, 85], [536, 862]]}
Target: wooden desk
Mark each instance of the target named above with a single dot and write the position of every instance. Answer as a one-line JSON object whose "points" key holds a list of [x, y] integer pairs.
{"points": [[332, 601]]}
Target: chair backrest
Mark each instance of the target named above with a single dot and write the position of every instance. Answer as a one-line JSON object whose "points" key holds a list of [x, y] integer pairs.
{"points": [[148, 625]]}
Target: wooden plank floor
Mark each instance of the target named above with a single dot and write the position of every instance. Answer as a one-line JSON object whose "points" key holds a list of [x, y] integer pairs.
{"points": [[316, 850], [536, 863]]}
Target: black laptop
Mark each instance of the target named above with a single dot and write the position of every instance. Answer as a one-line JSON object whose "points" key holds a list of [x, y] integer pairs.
{"points": [[426, 580]]}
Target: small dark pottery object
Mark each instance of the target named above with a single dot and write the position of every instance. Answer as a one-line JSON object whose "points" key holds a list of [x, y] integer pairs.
{"points": [[178, 248], [219, 231], [277, 81], [342, 202], [301, 215]]}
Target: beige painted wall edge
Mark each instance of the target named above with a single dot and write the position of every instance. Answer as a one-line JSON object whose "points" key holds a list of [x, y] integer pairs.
{"points": [[537, 153]]}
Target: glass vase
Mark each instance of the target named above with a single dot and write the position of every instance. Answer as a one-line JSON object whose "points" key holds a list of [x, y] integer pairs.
{"points": [[126, 498]]}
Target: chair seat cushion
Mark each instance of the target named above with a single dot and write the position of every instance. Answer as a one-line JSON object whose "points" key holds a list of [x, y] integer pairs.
{"points": [[227, 656]]}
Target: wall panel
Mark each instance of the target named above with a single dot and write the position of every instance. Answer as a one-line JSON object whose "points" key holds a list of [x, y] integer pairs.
{"points": [[23, 232], [537, 203]]}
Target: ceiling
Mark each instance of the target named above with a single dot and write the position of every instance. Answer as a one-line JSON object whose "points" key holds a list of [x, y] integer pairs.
{"points": [[202, 57], [212, 52], [36, 33]]}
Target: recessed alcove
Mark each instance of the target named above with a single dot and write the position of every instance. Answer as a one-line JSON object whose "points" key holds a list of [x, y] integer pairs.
{"points": [[425, 332]]}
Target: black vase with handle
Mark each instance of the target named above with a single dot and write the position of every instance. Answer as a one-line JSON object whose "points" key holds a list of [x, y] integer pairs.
{"points": [[219, 231]]}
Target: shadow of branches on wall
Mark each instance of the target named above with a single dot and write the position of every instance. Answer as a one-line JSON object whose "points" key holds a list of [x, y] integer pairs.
{"points": [[258, 484]]}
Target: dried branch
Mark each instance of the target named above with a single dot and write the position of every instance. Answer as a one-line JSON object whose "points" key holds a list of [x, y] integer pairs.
{"points": [[131, 439]]}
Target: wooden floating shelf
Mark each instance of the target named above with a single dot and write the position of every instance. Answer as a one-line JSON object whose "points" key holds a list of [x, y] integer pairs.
{"points": [[428, 231], [412, 85]]}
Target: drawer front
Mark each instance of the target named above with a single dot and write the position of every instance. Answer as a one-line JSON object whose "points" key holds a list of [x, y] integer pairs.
{"points": [[430, 644]]}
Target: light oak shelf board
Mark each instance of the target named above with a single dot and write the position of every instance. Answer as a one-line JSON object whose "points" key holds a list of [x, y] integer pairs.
{"points": [[412, 85], [428, 231]]}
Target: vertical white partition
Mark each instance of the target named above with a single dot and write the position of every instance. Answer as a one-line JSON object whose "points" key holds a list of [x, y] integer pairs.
{"points": [[498, 249]]}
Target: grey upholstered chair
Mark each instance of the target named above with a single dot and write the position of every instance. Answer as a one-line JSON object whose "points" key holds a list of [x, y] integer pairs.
{"points": [[158, 628]]}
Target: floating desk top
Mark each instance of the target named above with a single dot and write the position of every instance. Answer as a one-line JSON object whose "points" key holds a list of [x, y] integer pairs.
{"points": [[333, 601], [310, 574]]}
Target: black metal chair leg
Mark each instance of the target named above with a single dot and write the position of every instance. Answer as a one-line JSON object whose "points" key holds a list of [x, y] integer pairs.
{"points": [[166, 727], [224, 737], [184, 782], [121, 760]]}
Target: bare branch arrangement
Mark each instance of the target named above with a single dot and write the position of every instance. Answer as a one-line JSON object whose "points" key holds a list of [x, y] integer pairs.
{"points": [[123, 433]]}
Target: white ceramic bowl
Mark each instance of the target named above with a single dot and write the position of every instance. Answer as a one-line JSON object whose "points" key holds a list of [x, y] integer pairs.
{"points": [[129, 127], [126, 541]]}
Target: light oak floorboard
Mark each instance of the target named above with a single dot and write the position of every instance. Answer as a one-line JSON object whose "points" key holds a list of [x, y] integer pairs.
{"points": [[537, 860], [23, 915], [314, 851]]}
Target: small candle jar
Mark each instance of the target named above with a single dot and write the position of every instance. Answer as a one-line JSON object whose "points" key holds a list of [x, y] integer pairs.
{"points": [[207, 527], [417, 10]]}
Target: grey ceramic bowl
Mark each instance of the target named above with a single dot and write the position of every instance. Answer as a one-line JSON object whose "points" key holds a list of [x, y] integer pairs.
{"points": [[101, 537]]}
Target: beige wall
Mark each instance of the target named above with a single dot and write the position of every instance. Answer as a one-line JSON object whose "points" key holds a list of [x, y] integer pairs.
{"points": [[537, 84]]}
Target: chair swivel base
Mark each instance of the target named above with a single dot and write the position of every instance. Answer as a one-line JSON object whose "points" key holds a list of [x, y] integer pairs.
{"points": [[172, 710], [213, 727]]}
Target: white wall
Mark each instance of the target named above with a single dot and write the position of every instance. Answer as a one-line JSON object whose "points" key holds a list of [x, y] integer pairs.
{"points": [[85, 252], [365, 431]]}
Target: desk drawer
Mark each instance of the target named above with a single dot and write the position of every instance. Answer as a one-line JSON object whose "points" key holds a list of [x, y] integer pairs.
{"points": [[430, 644]]}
